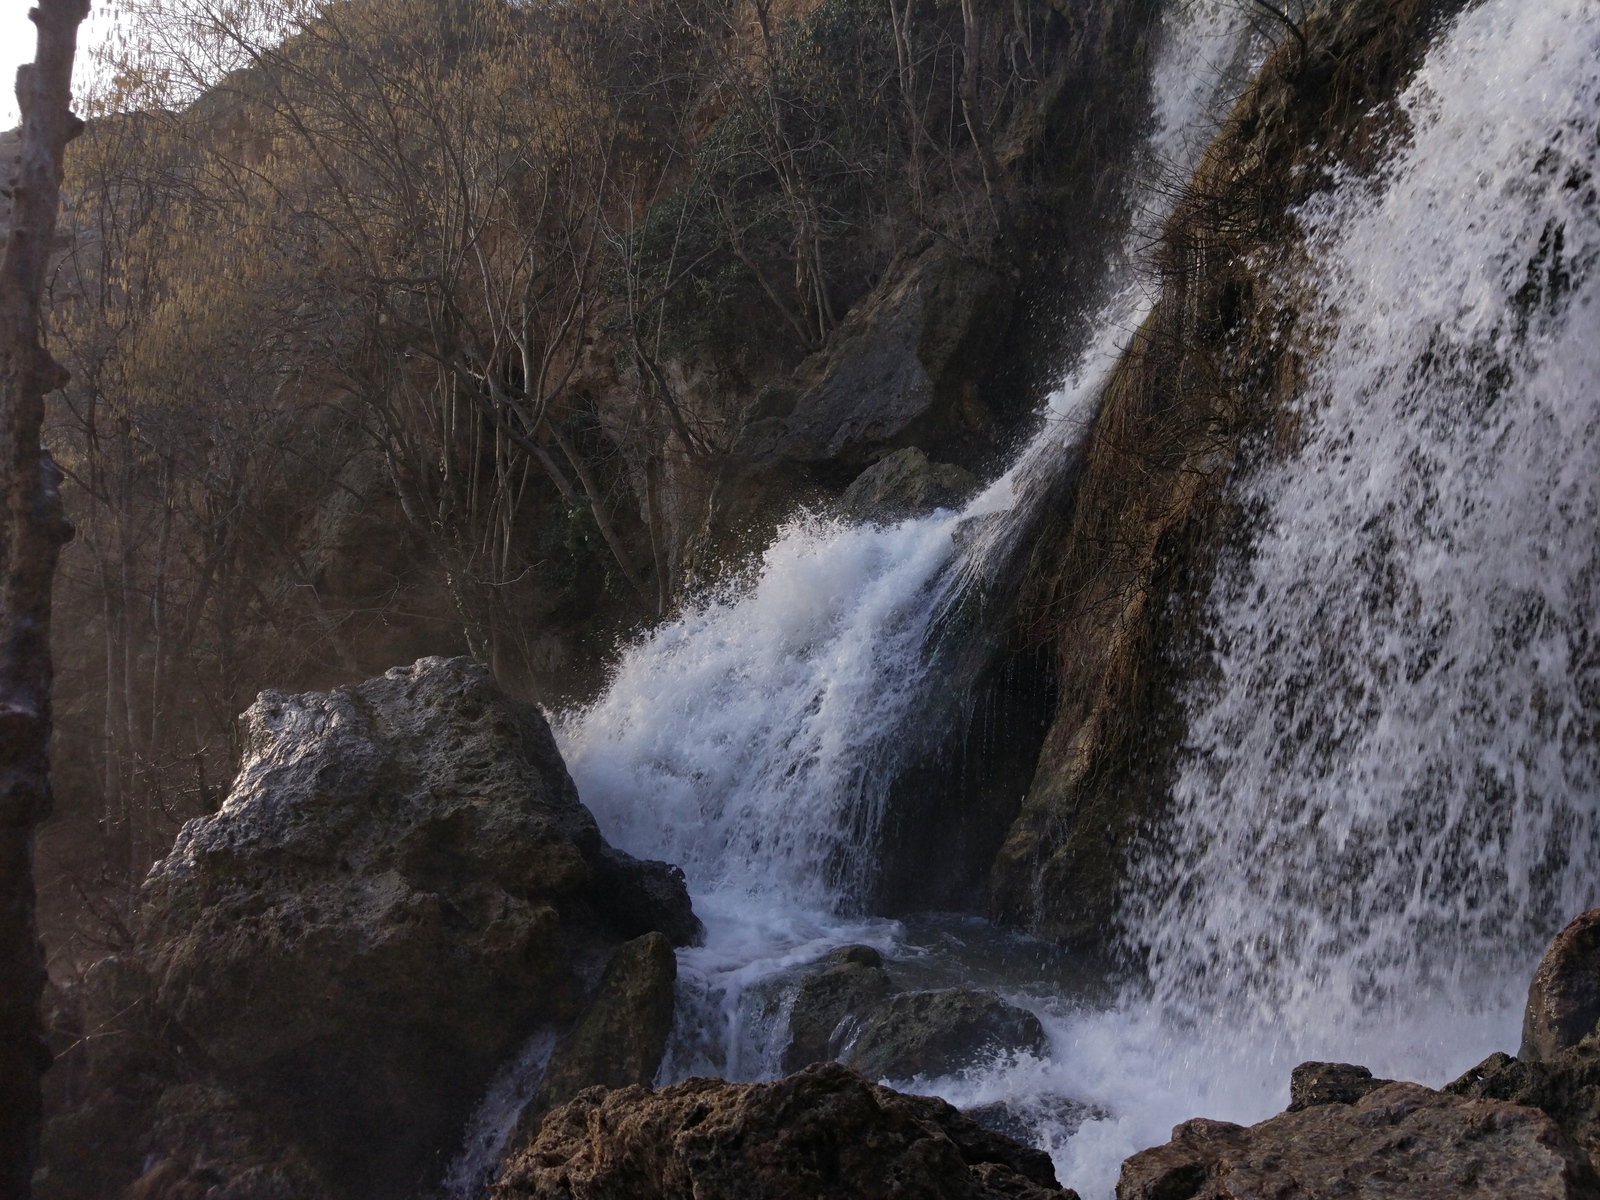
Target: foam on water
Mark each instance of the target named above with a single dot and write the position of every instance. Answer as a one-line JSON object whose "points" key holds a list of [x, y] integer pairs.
{"points": [[1389, 796], [1387, 800]]}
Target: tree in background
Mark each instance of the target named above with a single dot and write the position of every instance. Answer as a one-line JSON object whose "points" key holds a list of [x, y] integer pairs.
{"points": [[33, 528]]}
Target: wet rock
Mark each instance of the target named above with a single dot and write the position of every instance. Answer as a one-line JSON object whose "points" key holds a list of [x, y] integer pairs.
{"points": [[823, 1132], [906, 484], [621, 1036], [1564, 997], [1400, 1140], [939, 1033], [1031, 1119], [400, 889], [1565, 1086], [639, 897], [851, 985], [1314, 1083]]}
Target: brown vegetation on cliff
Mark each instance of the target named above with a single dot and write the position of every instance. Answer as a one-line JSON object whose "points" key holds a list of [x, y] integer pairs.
{"points": [[444, 327]]}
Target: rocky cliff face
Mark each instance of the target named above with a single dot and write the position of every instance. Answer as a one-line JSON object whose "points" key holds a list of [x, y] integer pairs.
{"points": [[953, 346], [1122, 565], [400, 889]]}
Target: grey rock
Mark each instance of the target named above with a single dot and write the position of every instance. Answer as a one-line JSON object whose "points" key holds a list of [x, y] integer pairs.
{"points": [[939, 1033], [1564, 996], [401, 887], [1314, 1083], [619, 1040], [904, 361], [1035, 1118], [850, 986], [1401, 1140], [640, 896], [906, 484]]}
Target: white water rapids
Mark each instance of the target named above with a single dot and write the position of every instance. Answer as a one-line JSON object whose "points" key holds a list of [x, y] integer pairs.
{"points": [[1387, 801]]}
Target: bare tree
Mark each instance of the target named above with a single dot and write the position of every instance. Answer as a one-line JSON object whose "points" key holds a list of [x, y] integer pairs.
{"points": [[33, 532]]}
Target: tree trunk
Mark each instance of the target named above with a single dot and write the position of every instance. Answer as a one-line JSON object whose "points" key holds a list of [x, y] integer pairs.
{"points": [[31, 538], [972, 110]]}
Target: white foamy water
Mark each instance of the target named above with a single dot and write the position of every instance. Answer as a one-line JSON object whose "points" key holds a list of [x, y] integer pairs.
{"points": [[1388, 796], [1390, 793], [752, 740]]}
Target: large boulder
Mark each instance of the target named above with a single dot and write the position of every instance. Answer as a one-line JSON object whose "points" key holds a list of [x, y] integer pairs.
{"points": [[850, 986], [823, 1132], [1400, 1141], [1564, 997], [1566, 1086], [930, 1034], [400, 889]]}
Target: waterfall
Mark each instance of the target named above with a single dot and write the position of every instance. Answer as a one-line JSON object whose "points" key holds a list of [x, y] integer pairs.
{"points": [[750, 740], [1390, 793], [1386, 801]]}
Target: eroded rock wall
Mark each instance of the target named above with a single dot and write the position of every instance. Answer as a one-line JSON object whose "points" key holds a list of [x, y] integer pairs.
{"points": [[1120, 572]]}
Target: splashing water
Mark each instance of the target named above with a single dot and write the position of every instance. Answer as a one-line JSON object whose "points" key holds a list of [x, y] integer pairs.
{"points": [[1387, 798], [750, 740], [1390, 793]]}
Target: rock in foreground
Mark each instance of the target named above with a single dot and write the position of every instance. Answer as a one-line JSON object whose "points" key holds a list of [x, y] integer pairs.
{"points": [[400, 889], [849, 1009], [1401, 1141], [824, 1132], [1564, 997]]}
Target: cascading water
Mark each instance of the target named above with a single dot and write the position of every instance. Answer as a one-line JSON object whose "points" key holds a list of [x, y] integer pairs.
{"points": [[1387, 798], [752, 741], [1391, 793]]}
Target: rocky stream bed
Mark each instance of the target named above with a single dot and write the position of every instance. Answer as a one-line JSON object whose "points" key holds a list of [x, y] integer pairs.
{"points": [[403, 890]]}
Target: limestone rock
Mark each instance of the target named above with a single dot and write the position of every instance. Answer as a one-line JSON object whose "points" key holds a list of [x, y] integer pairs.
{"points": [[1399, 1142], [1314, 1083], [906, 484], [940, 1032], [851, 985], [400, 889], [621, 1036], [823, 1132], [1564, 997], [904, 363]]}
